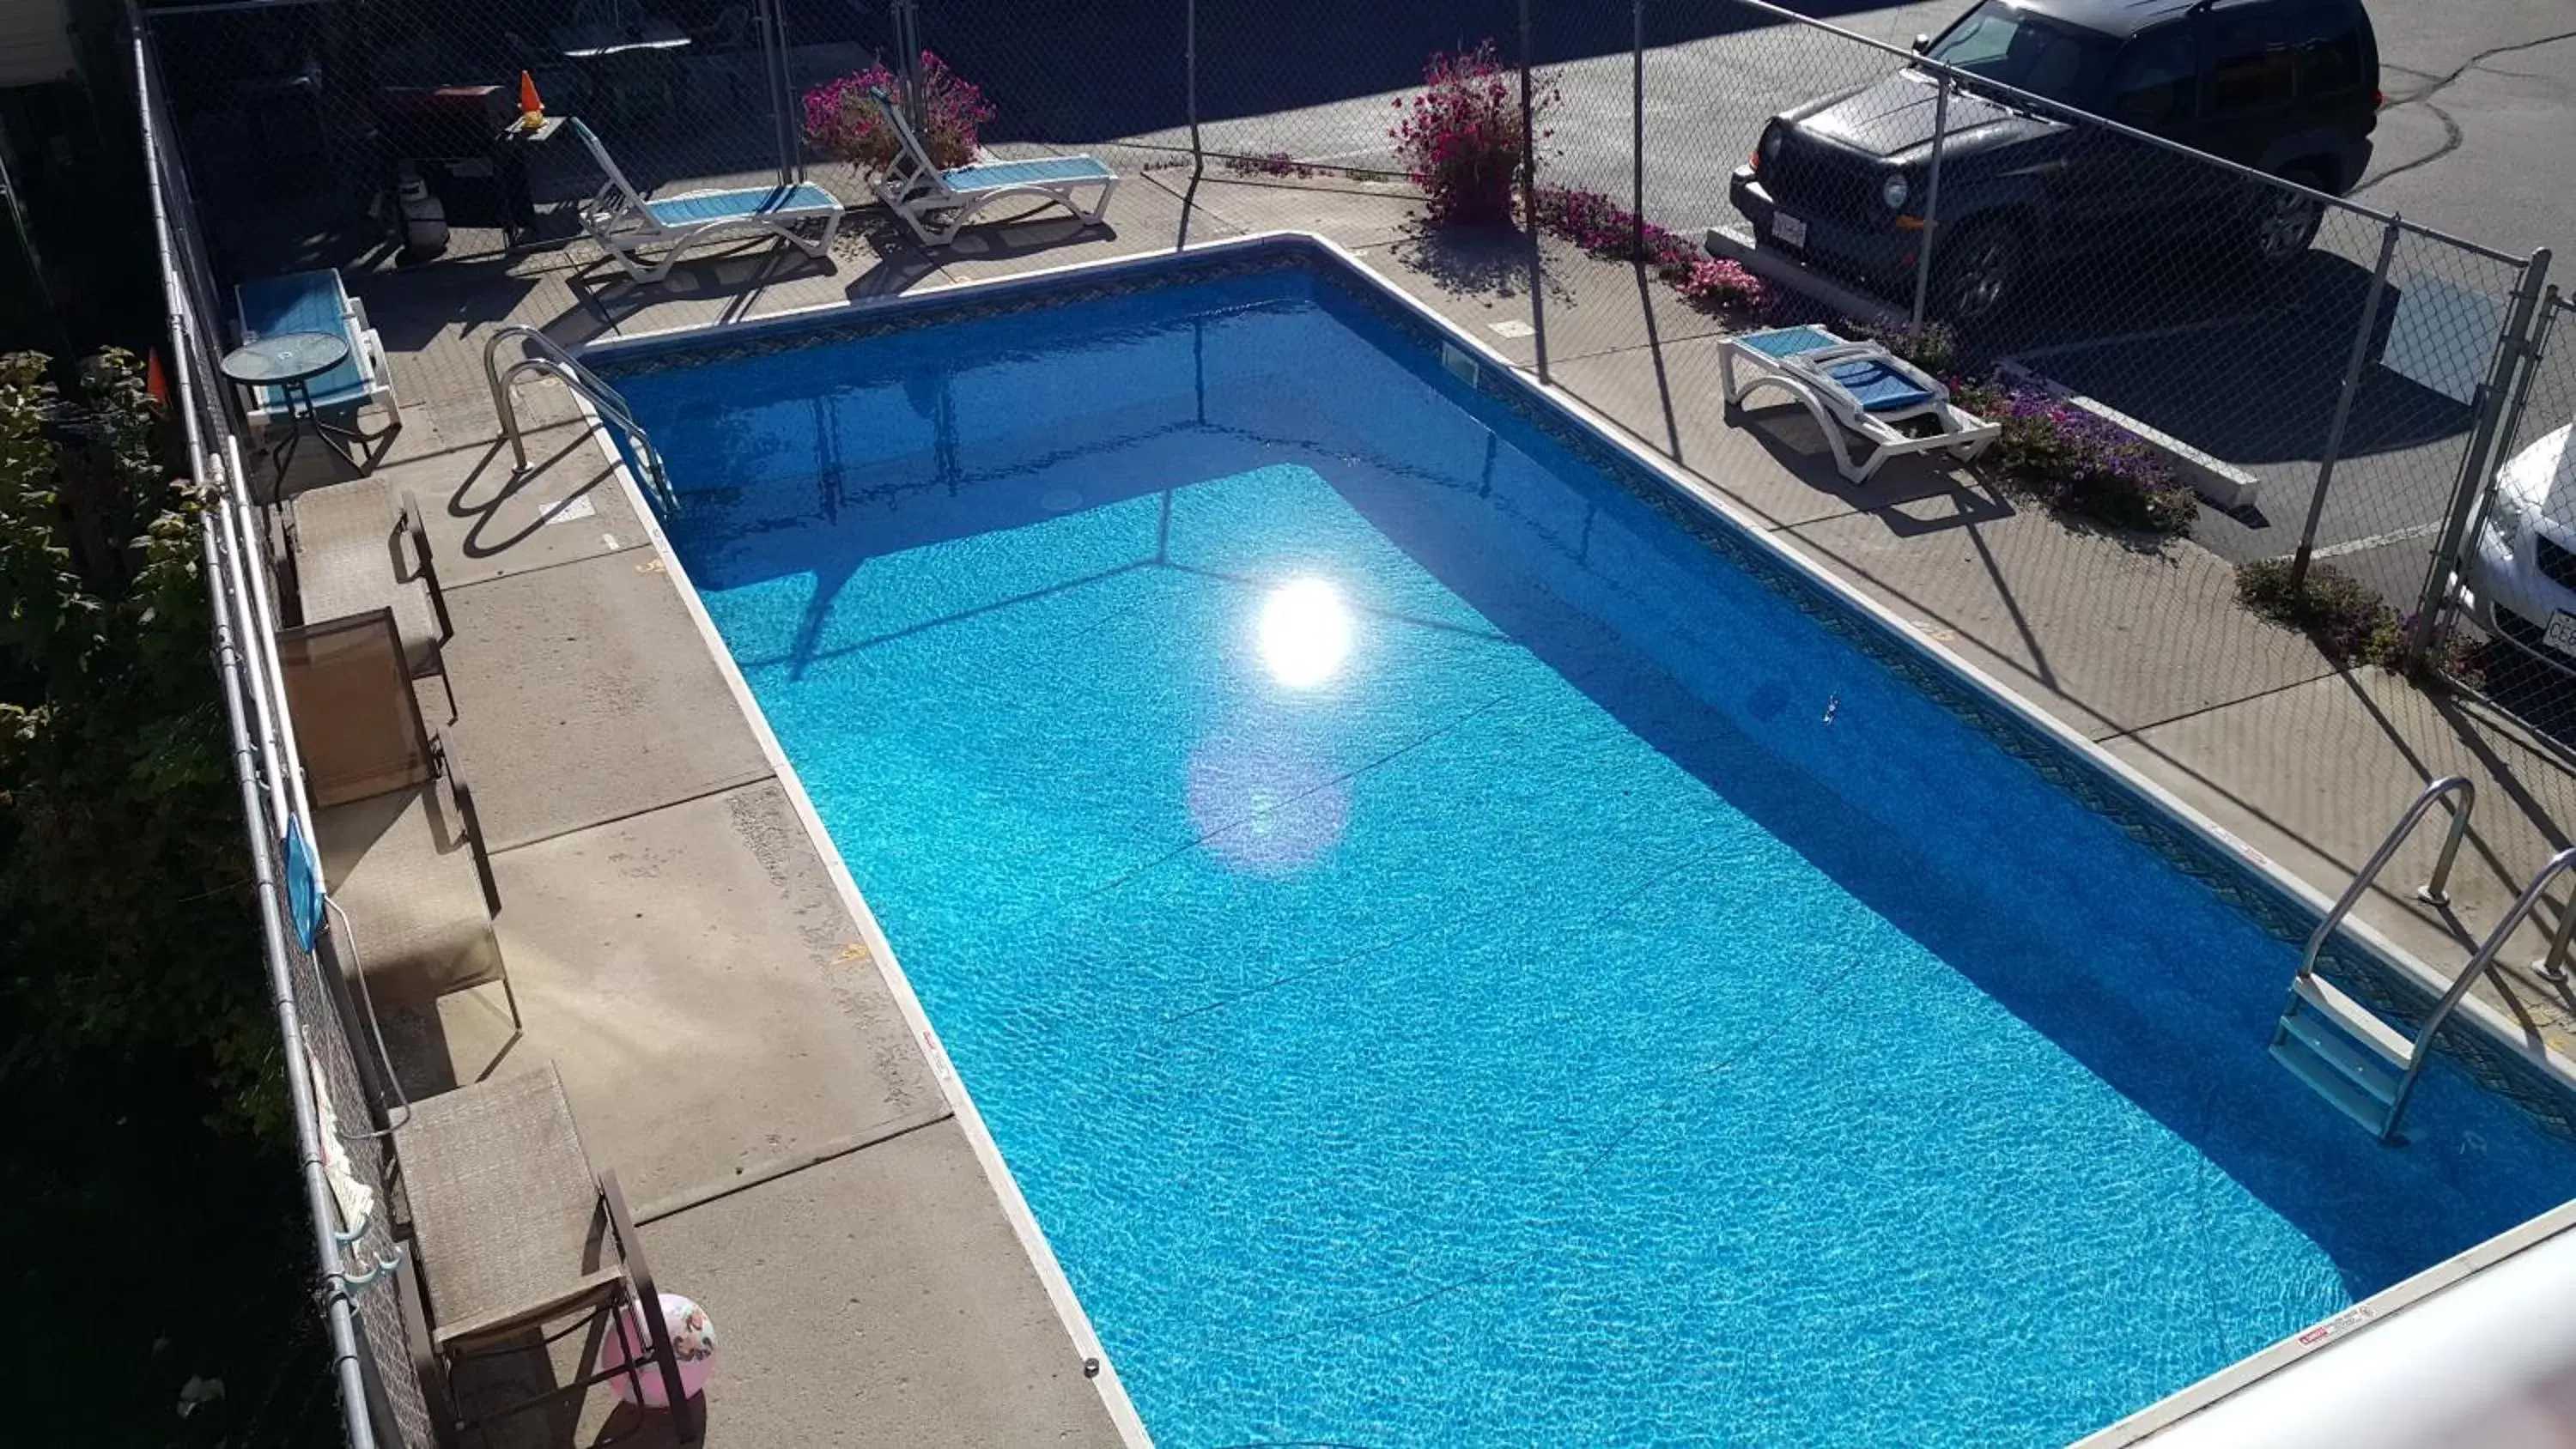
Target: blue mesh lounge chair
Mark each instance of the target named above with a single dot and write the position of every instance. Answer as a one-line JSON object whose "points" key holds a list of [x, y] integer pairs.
{"points": [[1854, 388], [937, 203], [625, 224], [315, 301]]}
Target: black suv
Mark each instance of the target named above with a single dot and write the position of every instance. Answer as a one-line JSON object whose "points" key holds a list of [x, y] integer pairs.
{"points": [[2288, 87]]}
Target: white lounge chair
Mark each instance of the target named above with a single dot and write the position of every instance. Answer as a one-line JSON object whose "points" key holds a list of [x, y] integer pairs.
{"points": [[937, 203], [624, 223], [316, 301], [1853, 387]]}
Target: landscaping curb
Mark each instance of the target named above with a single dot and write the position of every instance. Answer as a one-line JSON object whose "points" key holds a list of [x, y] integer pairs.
{"points": [[2220, 483], [1726, 241]]}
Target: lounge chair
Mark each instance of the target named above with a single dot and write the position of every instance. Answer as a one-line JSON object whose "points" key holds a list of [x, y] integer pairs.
{"points": [[512, 1232], [937, 203], [359, 547], [624, 223], [315, 301], [1854, 387], [400, 845]]}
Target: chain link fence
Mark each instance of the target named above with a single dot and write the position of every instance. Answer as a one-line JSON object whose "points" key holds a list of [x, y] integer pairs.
{"points": [[2508, 628], [343, 132], [2365, 422], [2323, 378], [381, 1399]]}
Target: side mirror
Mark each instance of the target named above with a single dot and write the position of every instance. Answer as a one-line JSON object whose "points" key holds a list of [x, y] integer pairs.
{"points": [[1922, 44]]}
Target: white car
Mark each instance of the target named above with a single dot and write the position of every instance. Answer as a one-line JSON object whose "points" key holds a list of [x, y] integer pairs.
{"points": [[2521, 575]]}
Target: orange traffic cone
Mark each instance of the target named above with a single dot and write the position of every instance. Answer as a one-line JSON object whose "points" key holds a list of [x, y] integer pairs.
{"points": [[532, 111], [156, 384]]}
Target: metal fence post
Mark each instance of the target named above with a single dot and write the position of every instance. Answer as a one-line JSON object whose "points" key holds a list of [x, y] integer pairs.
{"points": [[2343, 407], [2513, 349], [2510, 432], [1529, 199], [1637, 127], [1931, 197], [771, 17], [1190, 64], [907, 40]]}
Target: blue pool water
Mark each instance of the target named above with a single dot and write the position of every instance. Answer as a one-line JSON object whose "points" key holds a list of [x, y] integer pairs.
{"points": [[1452, 960]]}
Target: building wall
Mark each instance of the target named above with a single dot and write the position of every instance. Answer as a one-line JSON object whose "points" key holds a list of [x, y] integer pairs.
{"points": [[35, 42]]}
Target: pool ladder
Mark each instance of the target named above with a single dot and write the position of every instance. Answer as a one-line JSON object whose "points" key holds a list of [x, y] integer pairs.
{"points": [[2348, 1052], [543, 355]]}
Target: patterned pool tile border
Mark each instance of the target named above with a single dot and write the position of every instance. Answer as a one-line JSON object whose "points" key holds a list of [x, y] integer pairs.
{"points": [[2350, 963], [666, 352]]}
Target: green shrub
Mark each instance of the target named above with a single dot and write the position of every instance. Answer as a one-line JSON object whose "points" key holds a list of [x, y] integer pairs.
{"points": [[1932, 347], [125, 920], [2350, 623]]}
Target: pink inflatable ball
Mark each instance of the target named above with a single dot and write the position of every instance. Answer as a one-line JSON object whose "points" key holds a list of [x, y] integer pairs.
{"points": [[693, 1342]]}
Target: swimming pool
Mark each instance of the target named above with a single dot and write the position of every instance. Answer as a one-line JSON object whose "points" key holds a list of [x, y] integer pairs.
{"points": [[1450, 956]]}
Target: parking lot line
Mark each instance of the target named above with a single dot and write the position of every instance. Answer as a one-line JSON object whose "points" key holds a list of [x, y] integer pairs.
{"points": [[2376, 540], [2152, 334]]}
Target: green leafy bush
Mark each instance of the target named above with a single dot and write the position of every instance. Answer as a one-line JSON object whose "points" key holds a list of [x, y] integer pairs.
{"points": [[2347, 620], [125, 918], [153, 1222], [1932, 346]]}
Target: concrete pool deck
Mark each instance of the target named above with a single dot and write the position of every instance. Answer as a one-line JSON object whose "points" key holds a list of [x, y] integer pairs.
{"points": [[682, 951]]}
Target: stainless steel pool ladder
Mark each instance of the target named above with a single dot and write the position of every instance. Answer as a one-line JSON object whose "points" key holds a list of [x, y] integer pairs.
{"points": [[543, 355], [2345, 1050]]}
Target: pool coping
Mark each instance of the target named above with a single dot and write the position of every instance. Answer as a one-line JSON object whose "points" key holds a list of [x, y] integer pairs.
{"points": [[2208, 1392], [1045, 286]]}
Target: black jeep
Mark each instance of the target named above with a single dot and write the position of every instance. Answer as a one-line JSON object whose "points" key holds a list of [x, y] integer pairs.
{"points": [[2287, 87]]}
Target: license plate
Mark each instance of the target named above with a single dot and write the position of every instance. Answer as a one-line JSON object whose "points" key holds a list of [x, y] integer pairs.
{"points": [[1788, 228], [2562, 632]]}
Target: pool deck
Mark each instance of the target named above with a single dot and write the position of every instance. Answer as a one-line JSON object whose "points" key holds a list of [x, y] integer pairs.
{"points": [[684, 953]]}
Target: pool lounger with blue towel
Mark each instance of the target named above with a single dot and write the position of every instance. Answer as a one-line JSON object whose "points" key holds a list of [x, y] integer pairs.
{"points": [[1853, 387], [624, 223], [316, 301], [916, 189]]}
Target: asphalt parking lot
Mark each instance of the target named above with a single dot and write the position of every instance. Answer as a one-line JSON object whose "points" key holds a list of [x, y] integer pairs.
{"points": [[2478, 103], [2475, 137], [2473, 141]]}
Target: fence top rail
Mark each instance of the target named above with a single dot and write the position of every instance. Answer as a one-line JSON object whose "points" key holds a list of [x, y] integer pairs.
{"points": [[2045, 106], [254, 755]]}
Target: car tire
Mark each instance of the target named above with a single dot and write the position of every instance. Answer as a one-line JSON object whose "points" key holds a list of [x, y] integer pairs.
{"points": [[2285, 222], [1977, 274]]}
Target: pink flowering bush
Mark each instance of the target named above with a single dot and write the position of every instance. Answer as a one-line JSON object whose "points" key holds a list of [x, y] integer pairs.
{"points": [[1462, 139], [1720, 282], [842, 120], [1610, 231]]}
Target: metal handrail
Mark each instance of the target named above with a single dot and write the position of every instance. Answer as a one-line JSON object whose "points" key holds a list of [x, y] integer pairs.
{"points": [[2479, 964], [2431, 892], [552, 360]]}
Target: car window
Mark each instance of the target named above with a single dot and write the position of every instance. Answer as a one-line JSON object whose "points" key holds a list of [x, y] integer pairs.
{"points": [[2327, 36], [2249, 66], [2006, 44], [2155, 87]]}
